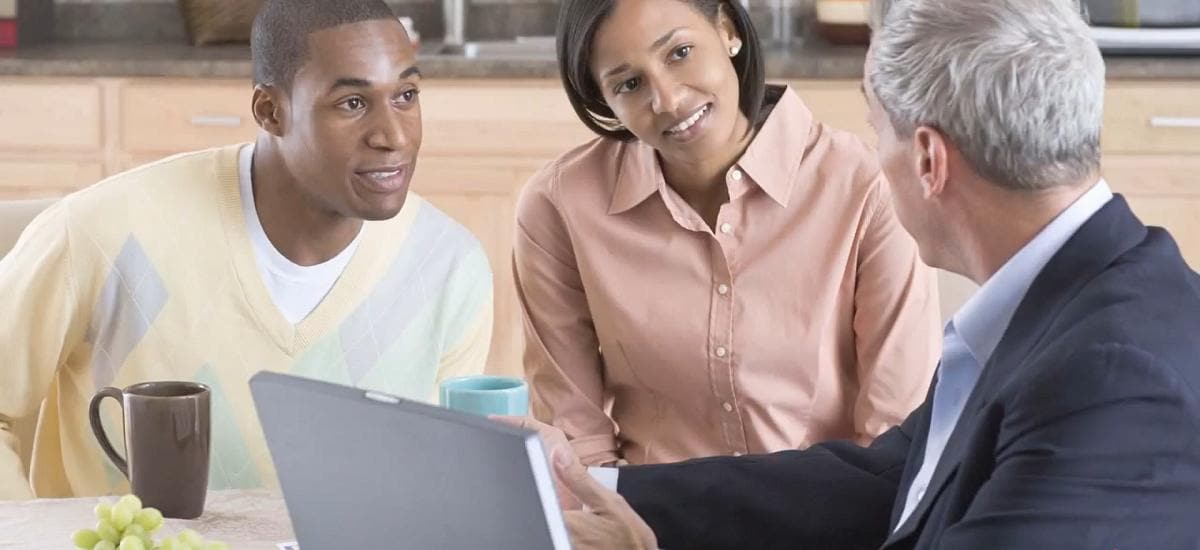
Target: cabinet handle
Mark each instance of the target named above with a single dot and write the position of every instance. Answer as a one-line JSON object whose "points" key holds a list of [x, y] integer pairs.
{"points": [[1174, 122], [216, 121]]}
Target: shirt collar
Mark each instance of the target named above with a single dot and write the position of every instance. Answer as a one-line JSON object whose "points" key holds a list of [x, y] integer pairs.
{"points": [[773, 158], [638, 176], [983, 320], [771, 161]]}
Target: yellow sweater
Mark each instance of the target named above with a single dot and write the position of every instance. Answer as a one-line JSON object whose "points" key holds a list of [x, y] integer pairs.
{"points": [[150, 275]]}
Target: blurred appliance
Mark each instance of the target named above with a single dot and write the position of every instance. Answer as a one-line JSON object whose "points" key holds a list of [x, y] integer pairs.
{"points": [[1143, 13], [25, 22], [1147, 41], [1147, 27], [843, 21]]}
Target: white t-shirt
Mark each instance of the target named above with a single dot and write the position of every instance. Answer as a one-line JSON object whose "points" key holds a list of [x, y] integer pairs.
{"points": [[296, 289]]}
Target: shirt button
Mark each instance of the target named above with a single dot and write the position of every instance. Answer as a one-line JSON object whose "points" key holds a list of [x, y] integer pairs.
{"points": [[727, 406], [726, 228], [722, 289], [721, 351], [920, 493], [736, 174]]}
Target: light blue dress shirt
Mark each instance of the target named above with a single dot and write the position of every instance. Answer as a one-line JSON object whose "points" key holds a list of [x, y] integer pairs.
{"points": [[976, 329]]}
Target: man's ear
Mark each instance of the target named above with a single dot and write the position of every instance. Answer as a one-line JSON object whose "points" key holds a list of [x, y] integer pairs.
{"points": [[269, 105], [931, 153]]}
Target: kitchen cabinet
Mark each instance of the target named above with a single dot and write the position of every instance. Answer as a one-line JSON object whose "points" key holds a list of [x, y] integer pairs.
{"points": [[1151, 148], [484, 138], [28, 179]]}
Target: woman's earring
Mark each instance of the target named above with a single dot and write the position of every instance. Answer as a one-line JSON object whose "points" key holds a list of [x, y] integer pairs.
{"points": [[733, 50]]}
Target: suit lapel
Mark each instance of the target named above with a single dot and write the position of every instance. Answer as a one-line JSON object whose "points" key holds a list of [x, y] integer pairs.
{"points": [[1108, 234], [947, 464], [916, 452]]}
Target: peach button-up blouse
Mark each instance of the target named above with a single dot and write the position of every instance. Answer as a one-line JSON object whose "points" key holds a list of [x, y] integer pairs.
{"points": [[806, 315]]}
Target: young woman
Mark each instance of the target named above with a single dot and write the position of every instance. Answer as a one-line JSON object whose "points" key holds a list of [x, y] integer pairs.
{"points": [[718, 272]]}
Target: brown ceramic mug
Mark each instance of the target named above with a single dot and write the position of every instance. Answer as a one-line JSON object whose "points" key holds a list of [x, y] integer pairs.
{"points": [[167, 438]]}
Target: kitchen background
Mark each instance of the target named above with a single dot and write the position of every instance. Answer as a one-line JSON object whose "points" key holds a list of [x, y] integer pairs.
{"points": [[82, 20]]}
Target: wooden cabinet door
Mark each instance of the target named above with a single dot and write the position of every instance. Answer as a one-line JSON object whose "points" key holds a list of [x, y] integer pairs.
{"points": [[1152, 117], [35, 179], [488, 118], [1163, 190], [41, 115], [162, 117]]}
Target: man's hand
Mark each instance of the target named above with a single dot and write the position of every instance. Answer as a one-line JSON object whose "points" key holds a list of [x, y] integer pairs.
{"points": [[606, 520], [555, 441]]}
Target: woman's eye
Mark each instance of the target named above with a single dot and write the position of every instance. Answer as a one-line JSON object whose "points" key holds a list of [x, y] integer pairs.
{"points": [[354, 104], [409, 96], [681, 52], [627, 86]]}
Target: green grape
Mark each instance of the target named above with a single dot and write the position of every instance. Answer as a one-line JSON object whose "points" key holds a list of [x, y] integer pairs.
{"points": [[132, 543], [169, 544], [191, 537], [85, 538], [133, 530], [149, 518], [132, 501], [103, 510], [107, 532], [122, 516], [104, 545], [177, 543]]}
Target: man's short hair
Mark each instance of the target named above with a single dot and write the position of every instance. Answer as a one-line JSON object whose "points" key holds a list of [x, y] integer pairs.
{"points": [[279, 41], [1017, 85]]}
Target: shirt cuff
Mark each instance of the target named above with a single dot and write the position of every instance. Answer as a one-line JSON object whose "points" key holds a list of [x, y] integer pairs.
{"points": [[605, 476], [595, 450]]}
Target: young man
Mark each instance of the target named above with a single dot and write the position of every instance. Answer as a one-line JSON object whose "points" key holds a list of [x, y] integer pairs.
{"points": [[1065, 411], [303, 252]]}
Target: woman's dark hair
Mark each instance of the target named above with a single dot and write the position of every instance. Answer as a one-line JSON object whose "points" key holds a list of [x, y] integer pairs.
{"points": [[577, 22]]}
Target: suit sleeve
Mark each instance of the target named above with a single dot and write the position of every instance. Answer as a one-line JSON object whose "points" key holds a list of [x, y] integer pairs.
{"points": [[1102, 451], [831, 495]]}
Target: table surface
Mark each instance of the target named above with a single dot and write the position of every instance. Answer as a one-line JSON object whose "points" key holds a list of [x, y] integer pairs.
{"points": [[250, 520]]}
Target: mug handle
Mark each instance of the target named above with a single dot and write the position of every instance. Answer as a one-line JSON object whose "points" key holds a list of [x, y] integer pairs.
{"points": [[98, 427]]}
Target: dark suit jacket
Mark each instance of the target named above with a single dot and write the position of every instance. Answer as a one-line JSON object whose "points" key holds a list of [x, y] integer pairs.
{"points": [[1082, 432]]}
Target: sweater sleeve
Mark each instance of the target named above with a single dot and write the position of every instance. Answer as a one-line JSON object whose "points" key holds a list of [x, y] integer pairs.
{"points": [[41, 323], [469, 319]]}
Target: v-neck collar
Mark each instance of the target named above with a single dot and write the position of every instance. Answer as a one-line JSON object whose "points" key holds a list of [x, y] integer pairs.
{"points": [[367, 265]]}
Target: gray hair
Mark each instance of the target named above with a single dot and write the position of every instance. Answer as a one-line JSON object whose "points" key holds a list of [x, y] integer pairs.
{"points": [[1016, 85]]}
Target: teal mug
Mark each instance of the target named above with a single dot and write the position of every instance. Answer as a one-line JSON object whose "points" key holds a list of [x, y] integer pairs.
{"points": [[486, 395]]}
